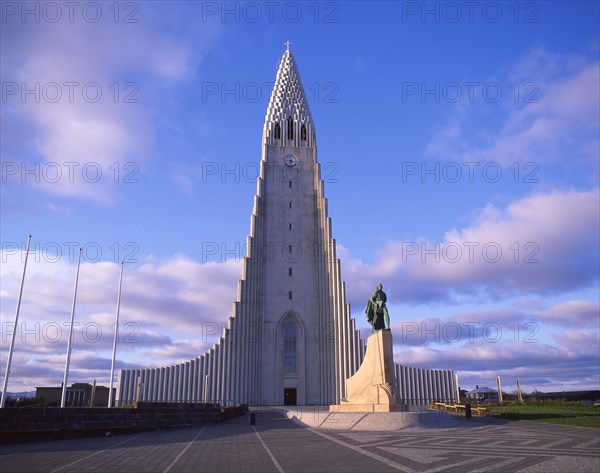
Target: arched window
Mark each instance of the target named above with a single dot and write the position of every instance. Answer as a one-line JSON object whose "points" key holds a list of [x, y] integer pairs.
{"points": [[290, 336], [277, 131], [290, 128], [303, 133]]}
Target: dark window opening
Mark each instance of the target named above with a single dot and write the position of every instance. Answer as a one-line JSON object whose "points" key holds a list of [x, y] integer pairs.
{"points": [[290, 205], [289, 248], [303, 133], [290, 336], [290, 295], [290, 128], [290, 226], [289, 271], [290, 184], [277, 131]]}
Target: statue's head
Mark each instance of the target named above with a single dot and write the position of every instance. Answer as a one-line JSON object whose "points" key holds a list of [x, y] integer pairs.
{"points": [[379, 287]]}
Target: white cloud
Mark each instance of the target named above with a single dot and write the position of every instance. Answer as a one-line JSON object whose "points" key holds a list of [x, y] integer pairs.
{"points": [[574, 313], [124, 62], [531, 322], [171, 311], [545, 243], [554, 120], [571, 362]]}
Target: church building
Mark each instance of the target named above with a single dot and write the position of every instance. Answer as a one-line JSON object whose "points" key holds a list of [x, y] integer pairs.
{"points": [[290, 338]]}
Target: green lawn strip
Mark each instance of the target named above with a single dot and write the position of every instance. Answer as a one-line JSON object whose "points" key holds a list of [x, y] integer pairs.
{"points": [[554, 413], [578, 421]]}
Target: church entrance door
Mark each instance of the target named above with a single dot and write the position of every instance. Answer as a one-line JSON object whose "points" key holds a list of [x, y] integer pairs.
{"points": [[289, 396]]}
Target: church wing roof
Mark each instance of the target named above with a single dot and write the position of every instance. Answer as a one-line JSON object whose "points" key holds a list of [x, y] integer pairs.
{"points": [[483, 390]]}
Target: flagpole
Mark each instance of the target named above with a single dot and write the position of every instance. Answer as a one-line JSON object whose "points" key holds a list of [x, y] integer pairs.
{"points": [[68, 360], [114, 353], [499, 389], [14, 334]]}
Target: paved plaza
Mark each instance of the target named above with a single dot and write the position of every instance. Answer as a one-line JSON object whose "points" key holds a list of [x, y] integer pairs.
{"points": [[277, 444]]}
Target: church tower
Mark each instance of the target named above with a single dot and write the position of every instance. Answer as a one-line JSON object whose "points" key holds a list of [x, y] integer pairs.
{"points": [[290, 338], [309, 343]]}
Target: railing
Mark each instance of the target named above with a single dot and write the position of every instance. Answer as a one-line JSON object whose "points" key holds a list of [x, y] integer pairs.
{"points": [[460, 408]]}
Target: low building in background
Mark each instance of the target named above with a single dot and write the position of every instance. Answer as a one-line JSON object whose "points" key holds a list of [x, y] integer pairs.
{"points": [[482, 394], [584, 397], [78, 395]]}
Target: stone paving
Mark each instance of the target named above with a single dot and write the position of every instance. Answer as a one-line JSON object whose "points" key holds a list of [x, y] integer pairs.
{"points": [[277, 444]]}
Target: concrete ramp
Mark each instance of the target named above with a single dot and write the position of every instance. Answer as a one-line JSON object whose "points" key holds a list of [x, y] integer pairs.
{"points": [[321, 418]]}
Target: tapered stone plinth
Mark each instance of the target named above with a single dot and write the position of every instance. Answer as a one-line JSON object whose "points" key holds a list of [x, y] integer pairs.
{"points": [[373, 386]]}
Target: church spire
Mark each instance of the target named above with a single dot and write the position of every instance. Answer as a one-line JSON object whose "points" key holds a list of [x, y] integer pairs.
{"points": [[288, 121]]}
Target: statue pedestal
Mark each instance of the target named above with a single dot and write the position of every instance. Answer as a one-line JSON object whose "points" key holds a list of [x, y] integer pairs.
{"points": [[373, 386]]}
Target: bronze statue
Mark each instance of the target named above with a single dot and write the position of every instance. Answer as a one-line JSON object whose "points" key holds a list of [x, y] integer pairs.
{"points": [[377, 313]]}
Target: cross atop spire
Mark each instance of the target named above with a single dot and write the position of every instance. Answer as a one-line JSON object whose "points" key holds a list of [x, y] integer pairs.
{"points": [[287, 44]]}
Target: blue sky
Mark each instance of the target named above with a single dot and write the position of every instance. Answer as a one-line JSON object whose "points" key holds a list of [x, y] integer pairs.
{"points": [[459, 150]]}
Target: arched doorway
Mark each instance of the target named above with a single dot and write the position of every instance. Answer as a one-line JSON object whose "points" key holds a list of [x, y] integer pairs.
{"points": [[291, 370]]}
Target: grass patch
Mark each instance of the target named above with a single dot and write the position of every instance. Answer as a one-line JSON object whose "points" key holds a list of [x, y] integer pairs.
{"points": [[553, 412]]}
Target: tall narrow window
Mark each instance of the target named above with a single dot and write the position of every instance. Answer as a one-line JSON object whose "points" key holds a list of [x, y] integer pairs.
{"points": [[290, 183], [277, 131], [289, 271], [303, 133], [290, 336], [290, 204], [290, 226], [290, 128], [290, 295]]}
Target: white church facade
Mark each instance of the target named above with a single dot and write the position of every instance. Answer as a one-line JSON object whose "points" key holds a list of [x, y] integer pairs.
{"points": [[291, 338]]}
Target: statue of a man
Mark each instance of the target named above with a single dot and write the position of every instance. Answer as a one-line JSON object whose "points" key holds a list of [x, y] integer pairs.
{"points": [[377, 313]]}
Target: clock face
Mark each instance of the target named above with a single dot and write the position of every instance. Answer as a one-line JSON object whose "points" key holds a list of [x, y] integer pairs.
{"points": [[290, 160]]}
